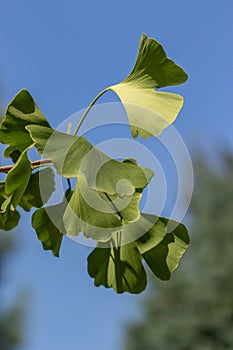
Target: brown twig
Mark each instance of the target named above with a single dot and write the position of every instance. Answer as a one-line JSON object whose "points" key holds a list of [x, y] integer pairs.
{"points": [[35, 164]]}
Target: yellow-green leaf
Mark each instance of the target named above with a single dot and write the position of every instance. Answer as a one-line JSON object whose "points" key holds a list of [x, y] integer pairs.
{"points": [[150, 111]]}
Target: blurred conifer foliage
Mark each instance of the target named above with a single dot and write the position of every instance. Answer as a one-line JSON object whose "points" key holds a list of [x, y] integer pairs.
{"points": [[195, 310], [10, 317]]}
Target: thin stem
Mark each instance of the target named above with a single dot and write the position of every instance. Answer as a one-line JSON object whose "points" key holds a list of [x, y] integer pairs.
{"points": [[87, 110], [118, 269], [114, 206], [34, 165], [69, 127], [69, 183]]}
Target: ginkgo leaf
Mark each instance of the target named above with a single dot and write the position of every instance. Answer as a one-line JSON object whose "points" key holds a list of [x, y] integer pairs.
{"points": [[18, 178], [119, 268], [150, 111], [47, 232], [13, 190], [104, 205], [117, 264], [153, 68], [163, 246], [90, 212], [127, 206], [22, 188], [72, 155], [8, 218], [39, 189], [113, 188], [112, 176], [6, 208], [48, 224], [135, 230], [65, 151], [21, 111], [97, 214], [2, 189]]}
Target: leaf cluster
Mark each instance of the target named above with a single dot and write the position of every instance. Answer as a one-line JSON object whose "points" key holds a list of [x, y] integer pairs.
{"points": [[104, 205]]}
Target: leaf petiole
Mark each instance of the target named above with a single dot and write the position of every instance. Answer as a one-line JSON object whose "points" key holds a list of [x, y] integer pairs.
{"points": [[87, 110]]}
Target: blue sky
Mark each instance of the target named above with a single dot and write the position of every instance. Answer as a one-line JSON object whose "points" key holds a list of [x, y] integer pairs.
{"points": [[66, 52]]}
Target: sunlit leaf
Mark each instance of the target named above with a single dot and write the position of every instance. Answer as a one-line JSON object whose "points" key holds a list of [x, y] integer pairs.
{"points": [[90, 212], [150, 111], [77, 155], [127, 206], [18, 178], [163, 246], [153, 68], [119, 268], [66, 151], [159, 241], [21, 111], [121, 182], [115, 177], [98, 214], [107, 191]]}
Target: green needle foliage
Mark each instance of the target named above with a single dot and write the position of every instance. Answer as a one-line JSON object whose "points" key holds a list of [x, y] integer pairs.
{"points": [[104, 205]]}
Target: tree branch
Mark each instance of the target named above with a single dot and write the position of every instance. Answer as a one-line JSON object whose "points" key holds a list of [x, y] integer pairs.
{"points": [[35, 164]]}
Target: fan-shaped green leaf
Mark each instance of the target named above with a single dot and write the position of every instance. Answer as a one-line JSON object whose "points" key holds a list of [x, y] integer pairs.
{"points": [[39, 189], [127, 206], [107, 191], [65, 151], [98, 214], [163, 246], [153, 68], [48, 223], [114, 177], [119, 268], [18, 178], [72, 155], [150, 111], [9, 217], [49, 235], [21, 111], [12, 191], [90, 212]]}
